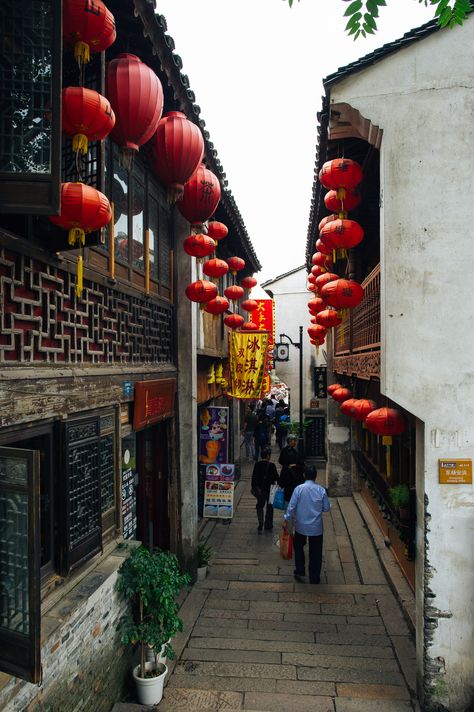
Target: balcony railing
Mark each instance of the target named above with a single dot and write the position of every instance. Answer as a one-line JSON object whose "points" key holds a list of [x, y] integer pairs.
{"points": [[360, 328]]}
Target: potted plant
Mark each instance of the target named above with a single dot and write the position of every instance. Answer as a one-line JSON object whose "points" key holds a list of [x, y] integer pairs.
{"points": [[151, 582], [400, 497], [204, 553]]}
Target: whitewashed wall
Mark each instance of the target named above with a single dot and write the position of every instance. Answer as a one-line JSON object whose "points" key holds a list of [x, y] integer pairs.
{"points": [[422, 97]]}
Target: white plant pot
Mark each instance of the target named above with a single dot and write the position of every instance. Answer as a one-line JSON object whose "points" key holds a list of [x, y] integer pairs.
{"points": [[162, 657], [150, 690], [201, 573]]}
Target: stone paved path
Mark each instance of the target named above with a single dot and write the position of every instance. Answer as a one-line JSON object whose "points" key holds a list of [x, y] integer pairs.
{"points": [[257, 640]]}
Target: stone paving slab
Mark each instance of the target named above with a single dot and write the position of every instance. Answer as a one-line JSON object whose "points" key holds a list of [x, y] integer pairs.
{"points": [[305, 687], [310, 595], [328, 661], [260, 586], [238, 656], [265, 702], [288, 646], [238, 594], [263, 634], [268, 615], [295, 608], [313, 619], [357, 639], [348, 704], [343, 674], [228, 604], [374, 692], [178, 699], [210, 682], [320, 626]]}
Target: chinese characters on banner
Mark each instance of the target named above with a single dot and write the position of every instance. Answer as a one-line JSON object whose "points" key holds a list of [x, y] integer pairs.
{"points": [[264, 317], [247, 359]]}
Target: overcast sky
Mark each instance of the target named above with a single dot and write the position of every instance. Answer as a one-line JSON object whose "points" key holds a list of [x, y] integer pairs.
{"points": [[256, 68]]}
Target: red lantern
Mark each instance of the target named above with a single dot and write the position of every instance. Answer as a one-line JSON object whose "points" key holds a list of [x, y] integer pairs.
{"points": [[177, 149], [362, 408], [342, 234], [316, 305], [89, 26], [136, 96], [346, 406], [313, 320], [333, 387], [340, 173], [199, 246], [316, 332], [328, 318], [217, 306], [217, 230], [235, 264], [311, 278], [86, 116], [316, 270], [249, 305], [234, 321], [248, 282], [234, 293], [336, 204], [249, 326], [321, 247], [324, 221], [322, 260], [201, 196], [341, 394], [201, 291], [215, 268], [311, 287], [342, 293], [385, 421], [324, 279]]}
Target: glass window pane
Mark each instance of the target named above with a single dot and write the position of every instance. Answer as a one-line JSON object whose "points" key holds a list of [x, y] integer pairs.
{"points": [[164, 246], [120, 200], [138, 204], [26, 80]]}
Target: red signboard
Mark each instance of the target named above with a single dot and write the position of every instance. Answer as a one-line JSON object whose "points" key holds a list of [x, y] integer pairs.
{"points": [[264, 317], [154, 401]]}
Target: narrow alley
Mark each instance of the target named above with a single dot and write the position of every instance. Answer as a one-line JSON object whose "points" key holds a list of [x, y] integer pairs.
{"points": [[255, 639]]}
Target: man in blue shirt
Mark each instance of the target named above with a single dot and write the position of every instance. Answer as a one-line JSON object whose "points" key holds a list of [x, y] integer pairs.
{"points": [[305, 513]]}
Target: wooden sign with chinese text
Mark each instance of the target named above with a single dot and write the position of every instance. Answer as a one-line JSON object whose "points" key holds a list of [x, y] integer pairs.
{"points": [[247, 358], [455, 472]]}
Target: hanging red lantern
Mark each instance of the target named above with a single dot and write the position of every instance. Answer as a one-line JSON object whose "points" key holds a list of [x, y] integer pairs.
{"points": [[249, 326], [83, 209], [249, 305], [322, 247], [328, 318], [342, 234], [248, 282], [342, 293], [136, 96], [217, 230], [340, 173], [313, 320], [217, 306], [322, 260], [311, 278], [201, 291], [89, 26], [350, 201], [201, 197], [177, 150], [362, 407], [346, 406], [234, 292], [311, 287], [199, 245], [316, 270], [324, 279], [235, 264], [86, 116], [316, 331], [316, 305], [234, 321], [325, 220], [333, 387], [215, 268], [341, 394], [385, 421]]}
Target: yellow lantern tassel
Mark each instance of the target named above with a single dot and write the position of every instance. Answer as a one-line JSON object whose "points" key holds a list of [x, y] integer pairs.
{"points": [[82, 53], [341, 193], [387, 441], [80, 144], [211, 374], [79, 284], [76, 236], [334, 256]]}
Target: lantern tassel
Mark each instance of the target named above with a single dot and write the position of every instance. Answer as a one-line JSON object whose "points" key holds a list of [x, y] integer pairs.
{"points": [[80, 144], [82, 53], [79, 284], [387, 441], [76, 236]]}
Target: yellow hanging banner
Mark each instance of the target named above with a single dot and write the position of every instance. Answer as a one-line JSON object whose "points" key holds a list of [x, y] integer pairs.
{"points": [[247, 358]]}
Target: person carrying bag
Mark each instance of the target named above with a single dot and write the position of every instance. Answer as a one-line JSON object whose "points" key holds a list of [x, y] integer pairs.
{"points": [[263, 477]]}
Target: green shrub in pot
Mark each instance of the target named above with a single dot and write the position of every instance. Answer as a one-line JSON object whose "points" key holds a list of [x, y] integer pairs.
{"points": [[399, 495]]}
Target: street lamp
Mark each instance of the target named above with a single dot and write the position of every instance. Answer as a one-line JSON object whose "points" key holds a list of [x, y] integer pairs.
{"points": [[281, 353]]}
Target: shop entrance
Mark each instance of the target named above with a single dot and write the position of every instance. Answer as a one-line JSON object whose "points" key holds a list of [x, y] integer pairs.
{"points": [[153, 527]]}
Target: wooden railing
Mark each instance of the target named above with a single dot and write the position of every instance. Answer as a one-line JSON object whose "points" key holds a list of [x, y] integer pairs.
{"points": [[360, 328]]}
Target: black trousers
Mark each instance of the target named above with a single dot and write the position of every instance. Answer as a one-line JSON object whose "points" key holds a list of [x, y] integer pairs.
{"points": [[264, 504], [315, 555]]}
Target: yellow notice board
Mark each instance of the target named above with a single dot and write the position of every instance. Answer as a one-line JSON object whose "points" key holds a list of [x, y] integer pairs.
{"points": [[455, 472]]}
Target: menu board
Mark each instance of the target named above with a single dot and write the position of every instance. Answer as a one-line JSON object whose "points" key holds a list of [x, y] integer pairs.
{"points": [[219, 491], [129, 498], [315, 436]]}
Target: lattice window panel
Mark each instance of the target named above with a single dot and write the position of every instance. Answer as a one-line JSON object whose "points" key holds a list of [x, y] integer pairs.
{"points": [[107, 472], [42, 321], [83, 462]]}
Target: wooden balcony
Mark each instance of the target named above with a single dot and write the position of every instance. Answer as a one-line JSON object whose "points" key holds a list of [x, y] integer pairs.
{"points": [[357, 339]]}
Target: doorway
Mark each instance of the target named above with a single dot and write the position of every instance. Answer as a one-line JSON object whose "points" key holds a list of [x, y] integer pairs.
{"points": [[153, 526]]}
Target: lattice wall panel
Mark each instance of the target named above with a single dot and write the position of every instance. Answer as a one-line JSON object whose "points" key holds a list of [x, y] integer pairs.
{"points": [[42, 321]]}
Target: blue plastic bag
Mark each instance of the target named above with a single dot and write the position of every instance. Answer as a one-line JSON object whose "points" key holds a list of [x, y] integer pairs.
{"points": [[279, 501]]}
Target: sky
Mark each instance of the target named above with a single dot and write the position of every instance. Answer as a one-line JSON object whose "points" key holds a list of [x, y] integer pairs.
{"points": [[256, 68]]}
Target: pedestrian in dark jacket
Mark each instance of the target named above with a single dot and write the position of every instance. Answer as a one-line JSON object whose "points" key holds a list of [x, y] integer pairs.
{"points": [[264, 475], [260, 435], [292, 469]]}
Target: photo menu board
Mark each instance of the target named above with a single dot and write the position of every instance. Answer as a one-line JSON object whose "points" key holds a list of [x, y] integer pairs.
{"points": [[219, 487]]}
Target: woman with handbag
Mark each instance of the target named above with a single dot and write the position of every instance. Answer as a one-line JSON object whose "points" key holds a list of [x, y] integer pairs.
{"points": [[264, 475]]}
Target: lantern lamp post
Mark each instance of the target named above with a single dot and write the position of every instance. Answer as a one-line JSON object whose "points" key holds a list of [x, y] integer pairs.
{"points": [[281, 354]]}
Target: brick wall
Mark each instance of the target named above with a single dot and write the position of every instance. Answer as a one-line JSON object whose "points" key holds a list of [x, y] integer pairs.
{"points": [[84, 666]]}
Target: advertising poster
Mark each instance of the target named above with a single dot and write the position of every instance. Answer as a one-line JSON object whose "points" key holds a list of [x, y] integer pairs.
{"points": [[214, 435], [219, 491], [129, 481]]}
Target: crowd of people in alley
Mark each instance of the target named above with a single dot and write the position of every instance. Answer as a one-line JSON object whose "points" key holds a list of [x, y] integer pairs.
{"points": [[304, 501]]}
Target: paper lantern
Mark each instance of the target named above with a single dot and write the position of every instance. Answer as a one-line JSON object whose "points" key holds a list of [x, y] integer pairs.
{"points": [[217, 230], [337, 204], [177, 151], [234, 293], [199, 246], [136, 96], [322, 260], [311, 278], [316, 331], [346, 406], [215, 268], [249, 326], [362, 407], [234, 321], [328, 318], [248, 282], [325, 221], [341, 394], [322, 247], [385, 421], [201, 291], [333, 387], [324, 279], [86, 116], [89, 26], [340, 173], [217, 306], [342, 234], [249, 305], [316, 270], [235, 264], [316, 305], [342, 293], [201, 197]]}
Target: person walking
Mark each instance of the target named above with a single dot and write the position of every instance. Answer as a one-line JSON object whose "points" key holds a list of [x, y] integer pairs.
{"points": [[264, 474], [305, 514], [260, 436], [292, 467], [250, 423]]}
